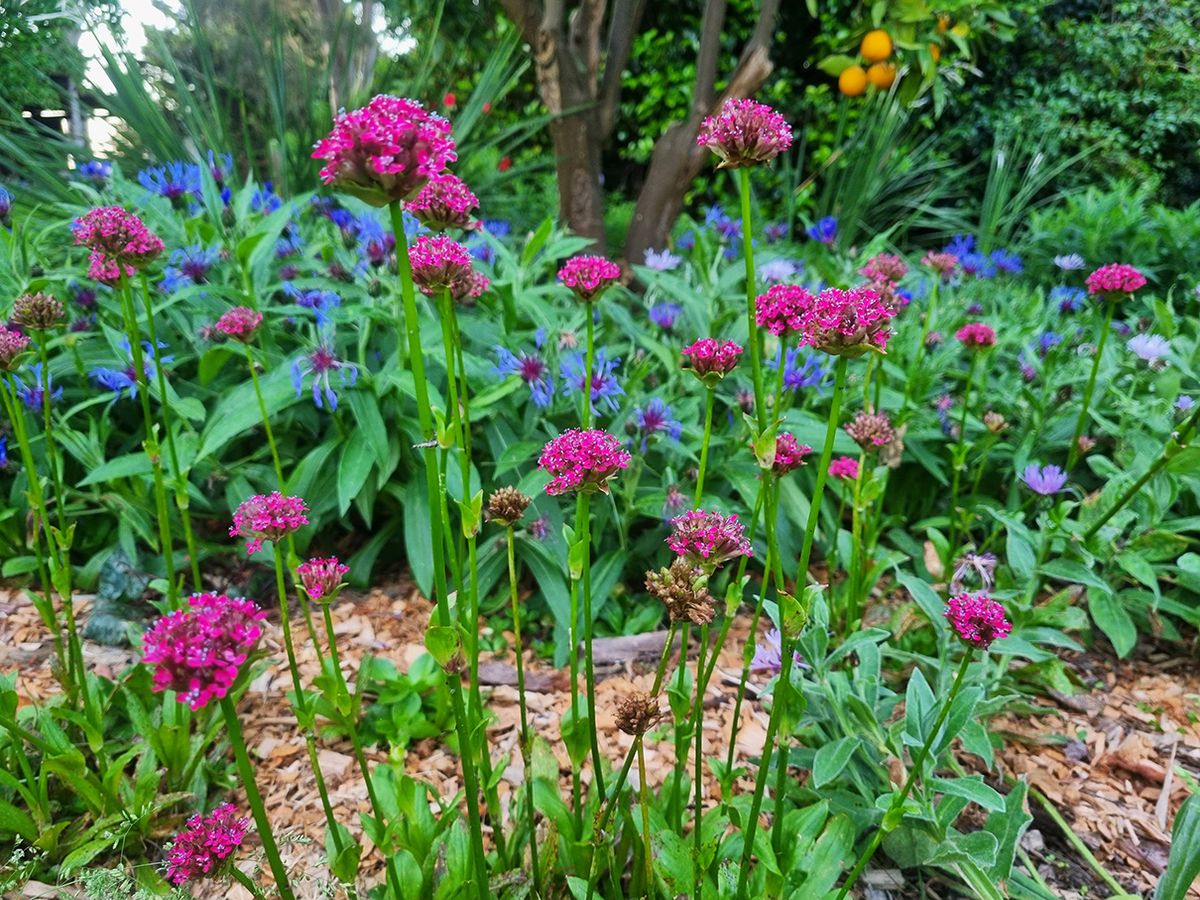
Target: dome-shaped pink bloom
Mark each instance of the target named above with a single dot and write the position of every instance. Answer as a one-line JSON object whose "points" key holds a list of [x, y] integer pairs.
{"points": [[201, 849], [582, 460], [267, 517], [444, 202], [847, 323], [884, 267], [1115, 279], [322, 578], [589, 276], [120, 243], [977, 619], [240, 323], [198, 651], [789, 454], [942, 263], [711, 360], [976, 336], [783, 308], [471, 286], [844, 467], [13, 345], [708, 539], [438, 263], [386, 150], [745, 133]]}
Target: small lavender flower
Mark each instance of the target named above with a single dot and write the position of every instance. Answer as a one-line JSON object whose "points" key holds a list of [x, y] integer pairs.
{"points": [[1184, 403], [775, 231], [532, 369], [779, 270], [33, 395], [1149, 347], [1070, 262], [605, 388], [321, 363], [664, 314], [1046, 480], [825, 230], [662, 260], [656, 418], [768, 654], [983, 565]]}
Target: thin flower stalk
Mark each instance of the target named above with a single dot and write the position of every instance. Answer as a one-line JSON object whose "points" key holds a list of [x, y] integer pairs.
{"points": [[1081, 422], [960, 459], [647, 844], [708, 417], [919, 358]]}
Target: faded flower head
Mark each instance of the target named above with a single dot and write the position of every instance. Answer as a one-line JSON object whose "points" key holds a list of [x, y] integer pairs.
{"points": [[976, 336], [844, 468], [267, 517], [995, 422], [439, 263], [871, 430], [977, 619], [321, 578], [1069, 262], [662, 260], [1115, 280], [582, 460], [240, 323], [683, 589], [1044, 480], [707, 539], [942, 263], [789, 454], [745, 133], [589, 276], [1085, 444], [884, 267], [202, 848], [711, 360], [506, 505], [198, 651], [444, 202], [13, 345], [37, 311], [386, 150], [983, 565]]}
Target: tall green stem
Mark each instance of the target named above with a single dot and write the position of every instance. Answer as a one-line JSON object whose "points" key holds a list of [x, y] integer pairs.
{"points": [[760, 409], [526, 736], [1081, 422], [698, 776], [960, 459], [708, 417], [890, 818], [647, 844]]}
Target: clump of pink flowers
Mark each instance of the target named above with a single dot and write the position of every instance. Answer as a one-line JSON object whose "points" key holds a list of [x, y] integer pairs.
{"points": [[439, 263], [582, 460], [789, 454], [268, 517], [321, 578], [120, 243], [13, 345], [707, 539], [870, 430], [444, 202], [844, 468], [1115, 279], [240, 323], [198, 651], [201, 849], [711, 360], [976, 336], [884, 267], [745, 133], [386, 150], [942, 263], [847, 323], [589, 276], [977, 619], [783, 309]]}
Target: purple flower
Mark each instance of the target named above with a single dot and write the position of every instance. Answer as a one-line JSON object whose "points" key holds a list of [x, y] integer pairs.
{"points": [[188, 266], [96, 171], [656, 418], [1070, 262], [778, 270], [605, 388], [1184, 403], [1048, 341], [825, 230], [982, 564], [662, 260], [776, 231], [1149, 347], [177, 181], [768, 654], [802, 373], [33, 395], [977, 264], [1069, 299], [960, 245], [3, 452], [264, 200], [978, 619], [321, 363], [664, 314], [687, 241], [5, 205], [120, 380], [320, 302], [1006, 261], [534, 371], [1045, 480]]}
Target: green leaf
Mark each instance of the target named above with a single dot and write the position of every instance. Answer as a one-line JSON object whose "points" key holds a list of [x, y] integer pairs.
{"points": [[368, 423], [1076, 573], [1139, 568], [16, 821], [836, 64], [358, 457], [343, 865], [971, 788], [1183, 866], [418, 541], [919, 700], [672, 860], [237, 412], [442, 642], [1112, 618], [126, 466], [831, 759], [926, 597], [979, 847], [1008, 826], [1185, 462]]}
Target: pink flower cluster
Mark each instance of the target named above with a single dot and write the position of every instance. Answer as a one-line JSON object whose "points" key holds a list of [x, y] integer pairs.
{"points": [[789, 454], [870, 430], [977, 619], [200, 849], [120, 243], [267, 517], [589, 276], [845, 468], [1115, 279], [782, 310], [847, 323], [711, 359], [745, 133], [386, 150], [322, 578], [444, 202], [13, 344], [976, 336], [240, 323], [199, 651], [707, 539], [439, 263], [942, 263], [884, 267], [582, 460]]}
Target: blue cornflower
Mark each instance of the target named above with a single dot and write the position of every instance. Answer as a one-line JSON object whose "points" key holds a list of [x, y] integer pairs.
{"points": [[1006, 261], [1184, 403], [801, 373], [220, 166], [346, 222], [687, 241], [34, 395], [656, 418], [226, 195], [97, 171], [175, 181], [264, 200], [3, 452], [605, 388], [534, 371], [321, 363], [825, 230], [1044, 480], [320, 302], [1048, 341], [497, 228], [662, 260], [664, 314], [120, 380], [1069, 299], [5, 205], [776, 231], [714, 214], [188, 265], [290, 243], [960, 245], [729, 229], [376, 245], [977, 264]]}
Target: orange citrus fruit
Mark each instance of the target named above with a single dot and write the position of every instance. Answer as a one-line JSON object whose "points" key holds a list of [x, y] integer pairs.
{"points": [[935, 51], [853, 81], [881, 75], [876, 46], [943, 24]]}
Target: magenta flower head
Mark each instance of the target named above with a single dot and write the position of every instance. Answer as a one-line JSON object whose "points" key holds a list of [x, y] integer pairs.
{"points": [[976, 336], [844, 468], [120, 243], [198, 651], [783, 309], [789, 454], [1115, 281], [745, 133], [322, 578], [444, 202], [439, 263], [589, 276], [711, 360], [202, 848], [707, 539], [870, 430], [884, 267], [977, 619], [848, 323], [240, 323], [13, 345], [386, 150], [942, 263], [582, 461], [1044, 480], [267, 517]]}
